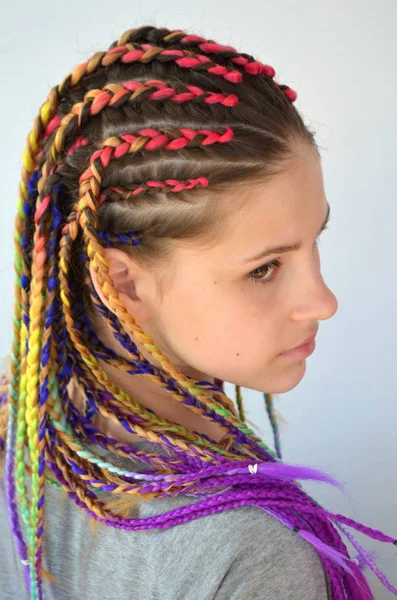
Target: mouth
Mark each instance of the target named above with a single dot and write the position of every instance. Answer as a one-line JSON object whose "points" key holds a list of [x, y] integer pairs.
{"points": [[304, 349]]}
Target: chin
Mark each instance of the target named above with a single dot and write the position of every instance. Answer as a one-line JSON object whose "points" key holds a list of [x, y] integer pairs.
{"points": [[286, 381], [292, 377]]}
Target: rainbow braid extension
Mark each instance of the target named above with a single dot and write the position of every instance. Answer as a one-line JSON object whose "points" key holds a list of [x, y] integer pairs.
{"points": [[49, 441]]}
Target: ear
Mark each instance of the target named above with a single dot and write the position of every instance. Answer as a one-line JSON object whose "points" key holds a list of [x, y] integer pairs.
{"points": [[127, 276]]}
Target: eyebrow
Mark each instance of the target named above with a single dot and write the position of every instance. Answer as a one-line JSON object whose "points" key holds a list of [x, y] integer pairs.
{"points": [[284, 249]]}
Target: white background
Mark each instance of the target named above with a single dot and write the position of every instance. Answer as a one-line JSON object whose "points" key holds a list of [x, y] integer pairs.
{"points": [[341, 58]]}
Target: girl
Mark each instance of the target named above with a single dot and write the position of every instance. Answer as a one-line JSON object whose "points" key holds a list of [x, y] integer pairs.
{"points": [[153, 177]]}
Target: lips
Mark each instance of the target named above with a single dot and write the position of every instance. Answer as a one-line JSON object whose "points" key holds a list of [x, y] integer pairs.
{"points": [[307, 340]]}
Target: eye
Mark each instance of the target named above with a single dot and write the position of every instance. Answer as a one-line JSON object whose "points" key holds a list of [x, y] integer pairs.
{"points": [[270, 266]]}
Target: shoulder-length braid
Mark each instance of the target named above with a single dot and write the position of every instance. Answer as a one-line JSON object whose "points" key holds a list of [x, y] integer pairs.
{"points": [[122, 153]]}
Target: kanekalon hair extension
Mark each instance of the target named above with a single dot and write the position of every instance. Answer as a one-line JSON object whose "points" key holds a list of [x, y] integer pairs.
{"points": [[132, 150]]}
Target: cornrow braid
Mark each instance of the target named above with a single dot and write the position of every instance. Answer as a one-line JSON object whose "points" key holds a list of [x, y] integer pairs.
{"points": [[122, 154]]}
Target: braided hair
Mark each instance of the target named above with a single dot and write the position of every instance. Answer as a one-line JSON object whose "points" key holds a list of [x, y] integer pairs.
{"points": [[131, 150]]}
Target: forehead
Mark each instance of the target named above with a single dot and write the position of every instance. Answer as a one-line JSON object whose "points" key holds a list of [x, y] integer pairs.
{"points": [[287, 208], [277, 212]]}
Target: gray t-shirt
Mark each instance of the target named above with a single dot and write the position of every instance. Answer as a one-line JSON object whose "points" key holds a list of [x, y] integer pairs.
{"points": [[238, 554]]}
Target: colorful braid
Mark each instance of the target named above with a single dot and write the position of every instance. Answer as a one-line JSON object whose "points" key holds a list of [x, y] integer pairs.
{"points": [[54, 339]]}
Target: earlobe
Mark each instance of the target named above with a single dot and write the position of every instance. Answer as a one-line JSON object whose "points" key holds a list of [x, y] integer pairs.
{"points": [[118, 271], [123, 281], [123, 274]]}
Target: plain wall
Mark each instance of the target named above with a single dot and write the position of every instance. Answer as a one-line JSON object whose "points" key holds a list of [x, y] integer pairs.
{"points": [[341, 58]]}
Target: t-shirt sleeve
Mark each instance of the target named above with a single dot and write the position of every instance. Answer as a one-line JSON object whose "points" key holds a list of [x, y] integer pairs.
{"points": [[275, 564]]}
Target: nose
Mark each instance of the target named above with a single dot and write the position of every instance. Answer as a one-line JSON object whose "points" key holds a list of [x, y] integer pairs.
{"points": [[316, 302]]}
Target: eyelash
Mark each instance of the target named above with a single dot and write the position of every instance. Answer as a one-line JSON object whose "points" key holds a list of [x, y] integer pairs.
{"points": [[273, 264]]}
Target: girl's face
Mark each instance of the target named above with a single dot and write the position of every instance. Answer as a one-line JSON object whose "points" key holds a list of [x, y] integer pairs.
{"points": [[229, 316]]}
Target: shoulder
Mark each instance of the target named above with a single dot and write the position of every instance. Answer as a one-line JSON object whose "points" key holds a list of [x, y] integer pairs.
{"points": [[271, 561], [246, 554], [236, 554]]}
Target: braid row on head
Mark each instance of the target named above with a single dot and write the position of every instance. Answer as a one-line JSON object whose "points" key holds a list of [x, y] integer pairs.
{"points": [[54, 338]]}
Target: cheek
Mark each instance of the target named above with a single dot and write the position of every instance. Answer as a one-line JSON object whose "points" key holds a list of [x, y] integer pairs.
{"points": [[244, 328], [235, 337], [222, 329], [255, 314]]}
